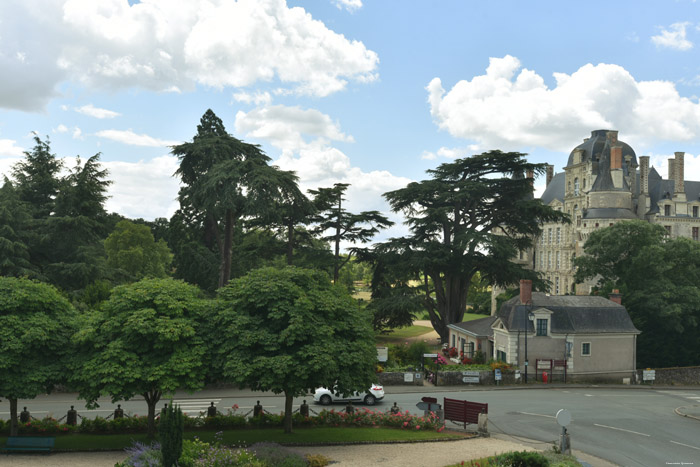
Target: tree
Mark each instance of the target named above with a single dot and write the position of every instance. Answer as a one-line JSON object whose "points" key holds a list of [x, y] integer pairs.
{"points": [[37, 178], [131, 248], [170, 428], [290, 331], [224, 181], [344, 226], [37, 324], [145, 340], [473, 215], [658, 278], [14, 222]]}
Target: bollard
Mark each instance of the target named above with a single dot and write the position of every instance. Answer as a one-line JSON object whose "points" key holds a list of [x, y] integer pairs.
{"points": [[395, 409], [257, 410], [24, 416], [349, 408], [118, 412], [483, 423], [304, 409], [211, 410], [72, 417]]}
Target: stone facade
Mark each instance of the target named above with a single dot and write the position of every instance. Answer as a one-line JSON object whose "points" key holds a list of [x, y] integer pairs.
{"points": [[603, 183]]}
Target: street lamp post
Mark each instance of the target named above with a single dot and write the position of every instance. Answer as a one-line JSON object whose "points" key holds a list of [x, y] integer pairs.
{"points": [[530, 317]]}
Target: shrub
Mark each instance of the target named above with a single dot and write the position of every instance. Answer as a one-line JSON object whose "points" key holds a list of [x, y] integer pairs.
{"points": [[142, 455], [217, 456], [274, 455], [525, 459], [479, 357], [192, 450], [499, 365], [317, 460], [170, 428]]}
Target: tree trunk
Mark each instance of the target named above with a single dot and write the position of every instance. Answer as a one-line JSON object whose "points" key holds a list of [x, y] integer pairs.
{"points": [[152, 398], [287, 412], [225, 267], [13, 416]]}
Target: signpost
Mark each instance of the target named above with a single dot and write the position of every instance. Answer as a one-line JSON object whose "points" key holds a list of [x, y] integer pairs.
{"points": [[497, 375], [564, 419], [648, 375]]}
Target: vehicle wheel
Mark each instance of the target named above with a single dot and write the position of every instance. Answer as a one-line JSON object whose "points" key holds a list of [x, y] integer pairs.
{"points": [[370, 399], [326, 400]]}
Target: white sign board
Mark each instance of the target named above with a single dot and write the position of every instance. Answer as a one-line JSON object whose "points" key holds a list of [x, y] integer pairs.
{"points": [[648, 375], [470, 379], [408, 377], [430, 355], [470, 373], [382, 354], [517, 374], [497, 374]]}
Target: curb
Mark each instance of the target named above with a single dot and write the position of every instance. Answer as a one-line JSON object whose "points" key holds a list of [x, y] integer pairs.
{"points": [[678, 412]]}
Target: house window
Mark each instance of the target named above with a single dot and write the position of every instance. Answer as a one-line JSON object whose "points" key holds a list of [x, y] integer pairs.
{"points": [[454, 340], [500, 356], [541, 327], [470, 350], [586, 349], [667, 210], [695, 233], [695, 211]]}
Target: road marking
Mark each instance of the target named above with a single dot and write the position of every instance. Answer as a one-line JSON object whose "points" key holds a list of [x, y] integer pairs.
{"points": [[621, 429], [588, 395], [686, 445], [536, 414], [693, 397]]}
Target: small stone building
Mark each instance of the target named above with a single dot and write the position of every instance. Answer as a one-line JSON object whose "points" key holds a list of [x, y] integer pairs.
{"points": [[592, 337], [470, 337]]}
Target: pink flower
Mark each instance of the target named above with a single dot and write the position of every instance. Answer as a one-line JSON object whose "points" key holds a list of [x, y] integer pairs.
{"points": [[405, 424], [418, 427]]}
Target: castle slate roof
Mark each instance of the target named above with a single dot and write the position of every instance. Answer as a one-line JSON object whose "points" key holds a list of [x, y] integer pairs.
{"points": [[478, 327], [608, 213], [595, 146], [555, 189], [571, 314]]}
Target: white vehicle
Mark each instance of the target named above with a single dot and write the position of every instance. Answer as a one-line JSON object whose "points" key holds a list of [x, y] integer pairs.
{"points": [[325, 396]]}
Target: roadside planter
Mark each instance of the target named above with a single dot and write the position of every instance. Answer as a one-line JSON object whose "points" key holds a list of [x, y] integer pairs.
{"points": [[474, 377]]}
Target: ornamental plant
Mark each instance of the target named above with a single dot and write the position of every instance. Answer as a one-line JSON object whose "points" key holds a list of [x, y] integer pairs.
{"points": [[170, 428]]}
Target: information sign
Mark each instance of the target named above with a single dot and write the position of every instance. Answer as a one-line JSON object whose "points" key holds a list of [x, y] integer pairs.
{"points": [[470, 373], [471, 379], [408, 377], [497, 374], [648, 375]]}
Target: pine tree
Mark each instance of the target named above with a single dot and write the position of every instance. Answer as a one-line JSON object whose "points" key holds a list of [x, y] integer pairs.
{"points": [[170, 429]]}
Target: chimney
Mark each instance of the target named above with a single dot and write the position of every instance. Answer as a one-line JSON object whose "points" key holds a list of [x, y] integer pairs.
{"points": [[550, 174], [679, 175], [616, 296], [671, 169], [644, 174], [612, 136], [616, 157], [525, 291]]}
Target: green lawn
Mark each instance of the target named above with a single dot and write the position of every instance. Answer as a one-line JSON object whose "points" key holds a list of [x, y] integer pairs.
{"points": [[317, 435]]}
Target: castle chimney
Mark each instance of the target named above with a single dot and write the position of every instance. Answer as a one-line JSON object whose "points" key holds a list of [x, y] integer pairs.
{"points": [[616, 296], [525, 291], [679, 175], [644, 174], [550, 174], [616, 157], [671, 169], [612, 136]]}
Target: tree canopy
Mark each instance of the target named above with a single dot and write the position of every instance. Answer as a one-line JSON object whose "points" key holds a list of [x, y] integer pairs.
{"points": [[37, 324], [132, 249], [473, 215], [145, 340], [658, 278], [290, 331]]}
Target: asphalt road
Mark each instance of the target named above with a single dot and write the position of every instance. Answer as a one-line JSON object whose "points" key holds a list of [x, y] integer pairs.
{"points": [[629, 427]]}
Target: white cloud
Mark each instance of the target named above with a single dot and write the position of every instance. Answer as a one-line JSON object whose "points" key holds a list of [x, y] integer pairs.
{"points": [[170, 46], [144, 189], [77, 133], [257, 98], [674, 37], [96, 112], [350, 5], [133, 139], [691, 165], [304, 137], [8, 148], [511, 107], [285, 126], [450, 153], [61, 128]]}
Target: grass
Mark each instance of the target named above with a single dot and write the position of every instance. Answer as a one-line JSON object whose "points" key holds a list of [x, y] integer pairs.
{"points": [[316, 435], [555, 460]]}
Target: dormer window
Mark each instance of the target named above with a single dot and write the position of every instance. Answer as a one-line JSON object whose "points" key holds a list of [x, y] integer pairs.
{"points": [[541, 327], [667, 210]]}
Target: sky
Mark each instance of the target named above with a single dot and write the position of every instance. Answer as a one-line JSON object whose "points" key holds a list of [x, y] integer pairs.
{"points": [[367, 92]]}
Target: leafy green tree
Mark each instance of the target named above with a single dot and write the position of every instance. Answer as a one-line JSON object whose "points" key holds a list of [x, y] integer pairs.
{"points": [[339, 225], [131, 248], [38, 178], [37, 324], [146, 339], [14, 222], [473, 215], [658, 278], [224, 182], [290, 331]]}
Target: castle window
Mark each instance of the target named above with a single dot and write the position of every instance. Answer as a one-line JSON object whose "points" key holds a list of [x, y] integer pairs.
{"points": [[577, 188], [558, 235], [549, 260], [667, 210], [558, 259], [695, 211], [695, 233], [541, 260], [596, 225], [549, 236], [556, 285], [584, 183], [668, 230]]}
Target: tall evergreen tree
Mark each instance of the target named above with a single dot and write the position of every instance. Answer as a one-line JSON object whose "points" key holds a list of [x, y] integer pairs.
{"points": [[337, 225], [224, 182], [14, 222], [37, 178]]}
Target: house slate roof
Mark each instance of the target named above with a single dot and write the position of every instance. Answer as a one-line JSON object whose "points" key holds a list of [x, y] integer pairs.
{"points": [[477, 327], [571, 314]]}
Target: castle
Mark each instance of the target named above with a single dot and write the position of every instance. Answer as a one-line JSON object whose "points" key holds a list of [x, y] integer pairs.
{"points": [[604, 183]]}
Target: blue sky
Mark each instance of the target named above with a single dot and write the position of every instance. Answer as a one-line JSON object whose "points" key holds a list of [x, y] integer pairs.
{"points": [[366, 92]]}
